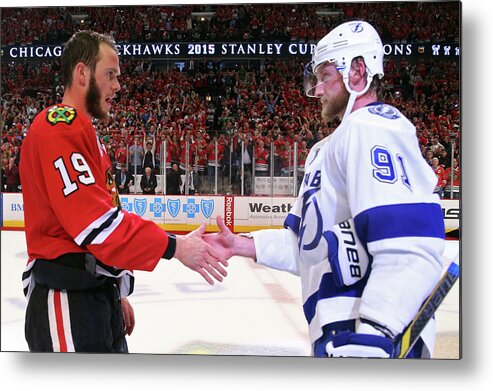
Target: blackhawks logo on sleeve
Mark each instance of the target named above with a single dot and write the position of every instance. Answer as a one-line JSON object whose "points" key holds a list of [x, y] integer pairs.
{"points": [[110, 185], [64, 114]]}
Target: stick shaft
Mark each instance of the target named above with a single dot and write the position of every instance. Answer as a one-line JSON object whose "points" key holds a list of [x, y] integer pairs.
{"points": [[412, 332]]}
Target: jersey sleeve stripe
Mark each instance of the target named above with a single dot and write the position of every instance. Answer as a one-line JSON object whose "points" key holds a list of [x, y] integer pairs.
{"points": [[100, 229], [293, 222], [402, 220]]}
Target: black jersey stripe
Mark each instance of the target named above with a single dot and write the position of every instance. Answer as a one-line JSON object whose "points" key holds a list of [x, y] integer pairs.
{"points": [[96, 231]]}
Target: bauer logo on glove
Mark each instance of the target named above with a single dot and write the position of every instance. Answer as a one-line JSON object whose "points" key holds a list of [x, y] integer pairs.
{"points": [[348, 258]]}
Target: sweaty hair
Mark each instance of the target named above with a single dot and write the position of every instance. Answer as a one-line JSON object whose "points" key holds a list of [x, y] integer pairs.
{"points": [[376, 83], [83, 47]]}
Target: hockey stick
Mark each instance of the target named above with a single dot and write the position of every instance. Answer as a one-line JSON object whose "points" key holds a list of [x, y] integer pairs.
{"points": [[411, 334]]}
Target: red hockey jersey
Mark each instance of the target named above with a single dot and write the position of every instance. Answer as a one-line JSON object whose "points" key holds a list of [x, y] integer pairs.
{"points": [[71, 204]]}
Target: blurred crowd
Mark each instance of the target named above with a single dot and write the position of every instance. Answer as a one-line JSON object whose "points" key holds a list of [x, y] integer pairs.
{"points": [[396, 22], [213, 118]]}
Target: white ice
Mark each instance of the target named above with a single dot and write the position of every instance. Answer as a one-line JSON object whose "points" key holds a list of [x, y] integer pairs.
{"points": [[255, 311]]}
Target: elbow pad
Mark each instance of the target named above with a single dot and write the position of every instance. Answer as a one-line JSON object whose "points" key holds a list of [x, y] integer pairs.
{"points": [[348, 257]]}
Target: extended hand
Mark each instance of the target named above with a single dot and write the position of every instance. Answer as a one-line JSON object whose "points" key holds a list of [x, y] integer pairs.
{"points": [[222, 241], [196, 254]]}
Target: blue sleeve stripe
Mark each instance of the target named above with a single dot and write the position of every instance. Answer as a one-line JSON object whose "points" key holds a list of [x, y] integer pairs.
{"points": [[293, 222], [327, 290], [333, 245], [402, 220]]}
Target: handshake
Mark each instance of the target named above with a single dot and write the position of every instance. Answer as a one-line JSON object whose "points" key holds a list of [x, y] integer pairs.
{"points": [[208, 254]]}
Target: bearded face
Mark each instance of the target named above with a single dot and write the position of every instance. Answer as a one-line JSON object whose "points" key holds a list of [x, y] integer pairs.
{"points": [[330, 89], [93, 100], [334, 104]]}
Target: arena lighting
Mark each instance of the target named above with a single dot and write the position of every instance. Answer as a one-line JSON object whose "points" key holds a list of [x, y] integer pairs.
{"points": [[79, 18], [203, 15], [329, 13]]}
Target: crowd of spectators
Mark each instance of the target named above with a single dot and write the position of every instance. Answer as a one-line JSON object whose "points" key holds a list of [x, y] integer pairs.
{"points": [[397, 22], [264, 106], [215, 108]]}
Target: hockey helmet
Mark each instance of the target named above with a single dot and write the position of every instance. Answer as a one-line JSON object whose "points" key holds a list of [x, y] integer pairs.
{"points": [[344, 43]]}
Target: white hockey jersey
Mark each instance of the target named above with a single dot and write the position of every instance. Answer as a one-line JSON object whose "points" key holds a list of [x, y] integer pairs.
{"points": [[371, 170]]}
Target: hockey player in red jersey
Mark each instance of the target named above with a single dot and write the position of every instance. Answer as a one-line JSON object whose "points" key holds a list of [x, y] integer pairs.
{"points": [[82, 246]]}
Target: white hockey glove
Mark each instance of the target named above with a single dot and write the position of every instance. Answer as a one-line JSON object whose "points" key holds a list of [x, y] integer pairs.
{"points": [[348, 258], [348, 344]]}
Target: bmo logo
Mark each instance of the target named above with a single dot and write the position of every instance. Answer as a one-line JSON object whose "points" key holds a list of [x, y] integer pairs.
{"points": [[17, 207]]}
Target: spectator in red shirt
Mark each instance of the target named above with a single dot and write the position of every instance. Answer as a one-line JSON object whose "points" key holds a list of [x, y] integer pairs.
{"points": [[199, 165], [13, 178], [456, 172], [212, 163], [121, 156], [262, 156], [441, 177]]}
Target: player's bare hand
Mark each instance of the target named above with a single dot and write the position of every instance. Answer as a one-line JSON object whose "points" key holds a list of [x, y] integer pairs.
{"points": [[198, 255], [128, 316], [222, 241]]}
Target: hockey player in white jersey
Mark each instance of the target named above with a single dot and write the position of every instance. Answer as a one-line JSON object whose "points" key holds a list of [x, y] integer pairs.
{"points": [[366, 232]]}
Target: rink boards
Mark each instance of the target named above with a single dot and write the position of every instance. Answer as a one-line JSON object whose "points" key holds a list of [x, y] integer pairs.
{"points": [[185, 213]]}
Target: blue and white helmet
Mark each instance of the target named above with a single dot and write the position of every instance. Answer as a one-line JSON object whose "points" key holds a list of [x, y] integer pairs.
{"points": [[344, 43]]}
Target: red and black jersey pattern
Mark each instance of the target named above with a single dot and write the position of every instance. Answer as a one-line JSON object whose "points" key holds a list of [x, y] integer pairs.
{"points": [[71, 204]]}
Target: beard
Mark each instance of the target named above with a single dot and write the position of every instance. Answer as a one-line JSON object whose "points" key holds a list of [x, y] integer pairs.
{"points": [[93, 100], [334, 106]]}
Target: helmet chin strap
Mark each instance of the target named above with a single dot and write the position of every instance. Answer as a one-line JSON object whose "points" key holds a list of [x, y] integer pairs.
{"points": [[353, 95]]}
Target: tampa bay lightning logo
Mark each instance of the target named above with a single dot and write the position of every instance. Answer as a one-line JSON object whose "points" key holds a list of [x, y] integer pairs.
{"points": [[357, 28], [310, 203], [207, 207], [173, 207], [140, 206], [384, 111], [316, 154]]}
